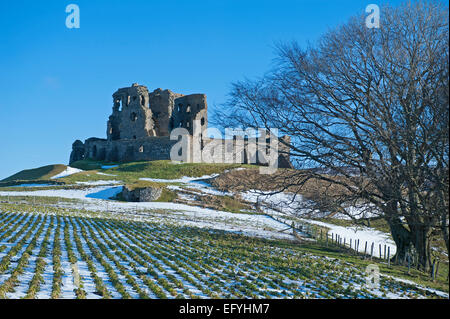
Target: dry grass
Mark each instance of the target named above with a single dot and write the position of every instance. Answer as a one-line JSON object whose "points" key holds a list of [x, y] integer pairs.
{"points": [[295, 181]]}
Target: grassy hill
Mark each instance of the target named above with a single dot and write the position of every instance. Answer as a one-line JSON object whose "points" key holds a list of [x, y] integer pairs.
{"points": [[40, 173], [131, 172], [125, 172]]}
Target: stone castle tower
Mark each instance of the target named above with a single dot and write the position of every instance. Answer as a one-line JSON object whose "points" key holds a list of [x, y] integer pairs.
{"points": [[138, 113], [140, 125]]}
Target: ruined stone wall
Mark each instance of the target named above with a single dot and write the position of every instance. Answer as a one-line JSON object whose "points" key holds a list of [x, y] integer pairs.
{"points": [[241, 153], [187, 109], [162, 104], [143, 149]]}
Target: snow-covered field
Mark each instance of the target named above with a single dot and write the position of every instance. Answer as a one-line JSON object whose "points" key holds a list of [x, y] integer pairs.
{"points": [[156, 253], [363, 234], [97, 198], [54, 256]]}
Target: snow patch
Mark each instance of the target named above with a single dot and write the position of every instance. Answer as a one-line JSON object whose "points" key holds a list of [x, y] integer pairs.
{"points": [[184, 179], [67, 172], [104, 174], [98, 183], [364, 234]]}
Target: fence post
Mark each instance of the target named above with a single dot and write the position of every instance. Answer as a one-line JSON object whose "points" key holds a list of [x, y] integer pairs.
{"points": [[437, 268], [433, 270], [365, 250], [388, 256], [371, 251], [384, 251], [409, 264], [379, 246]]}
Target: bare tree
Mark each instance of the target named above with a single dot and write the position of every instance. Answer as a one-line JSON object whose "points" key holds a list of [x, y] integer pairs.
{"points": [[369, 106]]}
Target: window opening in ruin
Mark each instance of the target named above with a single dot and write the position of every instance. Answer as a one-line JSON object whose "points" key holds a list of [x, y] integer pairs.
{"points": [[142, 100], [188, 108], [133, 117], [141, 149], [134, 137], [134, 97], [180, 106], [202, 122]]}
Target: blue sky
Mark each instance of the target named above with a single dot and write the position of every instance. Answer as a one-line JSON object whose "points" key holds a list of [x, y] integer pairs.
{"points": [[56, 83]]}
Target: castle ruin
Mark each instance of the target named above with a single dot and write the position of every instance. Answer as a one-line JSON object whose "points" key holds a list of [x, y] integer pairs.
{"points": [[140, 125]]}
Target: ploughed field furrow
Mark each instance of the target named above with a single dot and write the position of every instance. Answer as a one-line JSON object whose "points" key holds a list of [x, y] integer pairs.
{"points": [[28, 282], [14, 265], [84, 277], [9, 220], [168, 265], [126, 278], [244, 284], [103, 282], [152, 270], [61, 256], [12, 233], [211, 271]]}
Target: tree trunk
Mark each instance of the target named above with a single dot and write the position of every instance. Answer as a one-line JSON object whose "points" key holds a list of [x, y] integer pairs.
{"points": [[401, 236], [420, 236]]}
